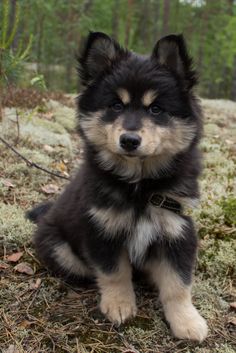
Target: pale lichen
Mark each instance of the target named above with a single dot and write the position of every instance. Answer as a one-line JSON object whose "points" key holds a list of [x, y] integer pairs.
{"points": [[14, 228]]}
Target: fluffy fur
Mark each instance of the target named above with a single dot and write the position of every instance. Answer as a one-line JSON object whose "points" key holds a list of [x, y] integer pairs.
{"points": [[140, 123]]}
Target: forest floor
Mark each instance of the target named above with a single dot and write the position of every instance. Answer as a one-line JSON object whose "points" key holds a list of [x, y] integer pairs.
{"points": [[40, 313]]}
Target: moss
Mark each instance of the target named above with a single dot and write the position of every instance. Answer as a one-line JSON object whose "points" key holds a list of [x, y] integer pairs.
{"points": [[229, 208], [36, 156], [63, 115], [211, 128], [208, 296], [31, 176], [35, 129], [14, 228], [52, 126], [218, 348], [40, 134], [217, 258]]}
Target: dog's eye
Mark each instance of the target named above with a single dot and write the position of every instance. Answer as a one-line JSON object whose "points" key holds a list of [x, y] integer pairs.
{"points": [[155, 109], [117, 107]]}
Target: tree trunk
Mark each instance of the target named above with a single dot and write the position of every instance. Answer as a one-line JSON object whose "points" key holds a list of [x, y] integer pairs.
{"points": [[115, 20], [233, 91], [166, 17], [156, 16], [230, 9], [40, 40], [12, 21], [128, 22], [1, 85], [204, 27]]}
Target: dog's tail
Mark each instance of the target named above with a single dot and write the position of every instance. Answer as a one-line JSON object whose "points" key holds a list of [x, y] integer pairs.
{"points": [[36, 213]]}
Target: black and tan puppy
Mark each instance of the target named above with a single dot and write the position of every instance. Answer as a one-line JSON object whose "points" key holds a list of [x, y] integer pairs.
{"points": [[140, 123]]}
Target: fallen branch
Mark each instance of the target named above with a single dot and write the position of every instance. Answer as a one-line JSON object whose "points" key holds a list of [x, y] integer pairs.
{"points": [[32, 164]]}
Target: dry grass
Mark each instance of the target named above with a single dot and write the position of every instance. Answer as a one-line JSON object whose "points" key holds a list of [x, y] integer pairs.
{"points": [[41, 314], [30, 98]]}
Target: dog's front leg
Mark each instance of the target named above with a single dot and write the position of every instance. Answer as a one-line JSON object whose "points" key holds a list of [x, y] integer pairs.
{"points": [[175, 296], [172, 274], [117, 293]]}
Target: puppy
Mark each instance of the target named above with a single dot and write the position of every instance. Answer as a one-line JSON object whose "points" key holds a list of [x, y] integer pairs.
{"points": [[140, 124]]}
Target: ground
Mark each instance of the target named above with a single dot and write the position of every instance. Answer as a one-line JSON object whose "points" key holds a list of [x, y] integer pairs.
{"points": [[42, 314]]}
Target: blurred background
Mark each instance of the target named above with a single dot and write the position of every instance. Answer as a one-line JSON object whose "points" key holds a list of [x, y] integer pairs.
{"points": [[39, 39]]}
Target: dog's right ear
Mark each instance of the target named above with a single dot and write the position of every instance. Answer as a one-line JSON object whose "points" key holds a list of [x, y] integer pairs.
{"points": [[99, 54]]}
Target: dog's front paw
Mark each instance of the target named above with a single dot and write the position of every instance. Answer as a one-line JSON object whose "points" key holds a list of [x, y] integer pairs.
{"points": [[118, 309], [187, 323]]}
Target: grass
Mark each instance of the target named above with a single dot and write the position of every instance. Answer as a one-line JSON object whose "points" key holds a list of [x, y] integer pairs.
{"points": [[42, 314]]}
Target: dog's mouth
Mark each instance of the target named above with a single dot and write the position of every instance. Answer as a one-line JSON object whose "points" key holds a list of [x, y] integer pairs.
{"points": [[131, 155], [134, 154]]}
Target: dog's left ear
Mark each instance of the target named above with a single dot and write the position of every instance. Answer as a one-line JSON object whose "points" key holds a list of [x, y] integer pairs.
{"points": [[171, 52], [99, 54]]}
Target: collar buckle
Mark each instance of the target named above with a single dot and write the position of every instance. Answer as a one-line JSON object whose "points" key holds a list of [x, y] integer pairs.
{"points": [[157, 200]]}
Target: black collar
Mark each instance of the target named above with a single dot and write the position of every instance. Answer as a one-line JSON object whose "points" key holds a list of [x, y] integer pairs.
{"points": [[166, 202]]}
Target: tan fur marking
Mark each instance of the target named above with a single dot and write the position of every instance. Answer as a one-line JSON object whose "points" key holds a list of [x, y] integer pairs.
{"points": [[166, 140], [117, 294], [184, 319], [113, 132], [69, 261], [94, 129], [167, 222], [111, 220], [149, 97], [124, 95]]}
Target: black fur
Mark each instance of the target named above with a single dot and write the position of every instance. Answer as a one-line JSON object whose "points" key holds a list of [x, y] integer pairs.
{"points": [[36, 213], [104, 67]]}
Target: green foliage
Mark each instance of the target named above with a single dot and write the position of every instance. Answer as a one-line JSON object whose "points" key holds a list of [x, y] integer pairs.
{"points": [[38, 82], [208, 26], [11, 59], [229, 207]]}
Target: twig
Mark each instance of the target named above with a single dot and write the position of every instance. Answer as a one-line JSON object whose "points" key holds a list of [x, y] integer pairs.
{"points": [[32, 164], [18, 127]]}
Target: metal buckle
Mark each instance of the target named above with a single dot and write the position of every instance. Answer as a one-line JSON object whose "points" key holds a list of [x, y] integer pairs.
{"points": [[156, 203]]}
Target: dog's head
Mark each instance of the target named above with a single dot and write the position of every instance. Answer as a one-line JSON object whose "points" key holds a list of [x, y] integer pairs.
{"points": [[136, 108]]}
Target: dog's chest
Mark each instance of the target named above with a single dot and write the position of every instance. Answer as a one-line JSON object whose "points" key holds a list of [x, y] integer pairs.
{"points": [[144, 233], [140, 232], [155, 224]]}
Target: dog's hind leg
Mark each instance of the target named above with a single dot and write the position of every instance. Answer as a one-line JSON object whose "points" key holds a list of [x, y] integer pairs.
{"points": [[57, 255], [172, 274]]}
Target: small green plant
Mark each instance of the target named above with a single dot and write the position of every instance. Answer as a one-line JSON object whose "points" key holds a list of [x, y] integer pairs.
{"points": [[39, 82], [11, 60], [229, 208]]}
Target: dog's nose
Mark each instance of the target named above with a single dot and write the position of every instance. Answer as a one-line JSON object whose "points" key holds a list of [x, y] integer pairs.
{"points": [[130, 141]]}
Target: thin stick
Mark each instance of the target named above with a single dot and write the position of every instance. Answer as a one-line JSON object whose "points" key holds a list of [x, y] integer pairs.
{"points": [[29, 163], [18, 127]]}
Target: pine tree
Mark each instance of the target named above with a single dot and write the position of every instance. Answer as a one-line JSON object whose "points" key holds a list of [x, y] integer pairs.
{"points": [[10, 58]]}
